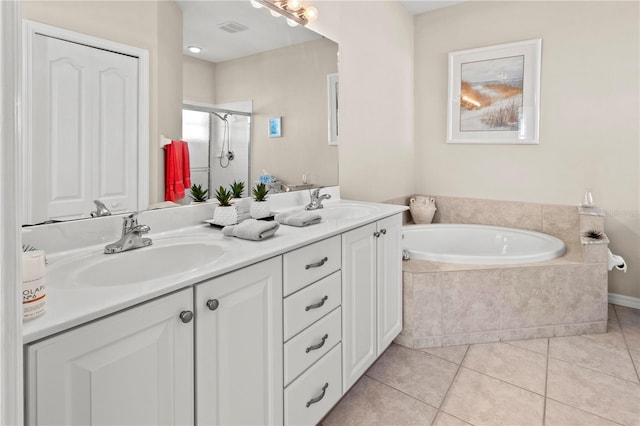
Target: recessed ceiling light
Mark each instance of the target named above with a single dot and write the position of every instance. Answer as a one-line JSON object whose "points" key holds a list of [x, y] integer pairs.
{"points": [[194, 49]]}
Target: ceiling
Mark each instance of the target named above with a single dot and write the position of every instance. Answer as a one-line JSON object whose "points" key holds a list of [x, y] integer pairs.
{"points": [[416, 7], [264, 32]]}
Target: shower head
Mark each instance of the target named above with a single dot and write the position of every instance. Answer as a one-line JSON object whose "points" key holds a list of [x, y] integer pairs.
{"points": [[221, 117]]}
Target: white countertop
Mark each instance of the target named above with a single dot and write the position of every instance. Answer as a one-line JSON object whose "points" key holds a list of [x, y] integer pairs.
{"points": [[70, 305]]}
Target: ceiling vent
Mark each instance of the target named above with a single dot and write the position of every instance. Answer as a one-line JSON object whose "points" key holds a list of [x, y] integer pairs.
{"points": [[232, 27]]}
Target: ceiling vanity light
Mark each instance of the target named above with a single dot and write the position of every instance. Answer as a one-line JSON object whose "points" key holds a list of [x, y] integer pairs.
{"points": [[194, 49], [293, 10]]}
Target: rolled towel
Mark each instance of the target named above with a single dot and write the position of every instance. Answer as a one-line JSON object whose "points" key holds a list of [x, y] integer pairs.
{"points": [[297, 218], [252, 229]]}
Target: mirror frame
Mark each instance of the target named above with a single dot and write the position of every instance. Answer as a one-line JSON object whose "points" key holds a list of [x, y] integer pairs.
{"points": [[29, 30]]}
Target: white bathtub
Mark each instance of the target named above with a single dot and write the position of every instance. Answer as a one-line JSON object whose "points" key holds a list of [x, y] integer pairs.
{"points": [[479, 244]]}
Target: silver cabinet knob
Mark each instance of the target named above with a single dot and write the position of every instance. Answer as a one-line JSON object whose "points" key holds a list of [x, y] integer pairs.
{"points": [[213, 304], [376, 234], [186, 316]]}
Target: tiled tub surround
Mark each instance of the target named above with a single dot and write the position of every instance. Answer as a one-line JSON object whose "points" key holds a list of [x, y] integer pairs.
{"points": [[452, 304]]}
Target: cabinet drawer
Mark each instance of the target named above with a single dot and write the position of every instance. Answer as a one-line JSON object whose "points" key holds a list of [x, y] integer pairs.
{"points": [[309, 346], [310, 304], [309, 399], [310, 263]]}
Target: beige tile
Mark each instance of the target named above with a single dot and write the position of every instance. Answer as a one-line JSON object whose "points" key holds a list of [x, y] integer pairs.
{"points": [[408, 303], [558, 414], [528, 333], [483, 400], [470, 301], [635, 356], [509, 363], [490, 212], [444, 419], [427, 305], [415, 373], [599, 327], [628, 316], [470, 338], [613, 336], [372, 403], [427, 342], [595, 253], [612, 316], [593, 354], [588, 222], [581, 292], [450, 353], [537, 345], [561, 221], [597, 393], [631, 336], [527, 300]]}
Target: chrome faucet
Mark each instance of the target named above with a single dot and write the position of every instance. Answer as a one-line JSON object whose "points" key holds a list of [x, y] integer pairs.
{"points": [[101, 209], [131, 236], [316, 199]]}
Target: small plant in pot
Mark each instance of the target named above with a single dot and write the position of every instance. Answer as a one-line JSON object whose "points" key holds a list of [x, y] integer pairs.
{"points": [[198, 194], [260, 207], [237, 188], [225, 213]]}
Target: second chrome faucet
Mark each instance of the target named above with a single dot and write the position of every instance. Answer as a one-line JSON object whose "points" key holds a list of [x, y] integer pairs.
{"points": [[131, 236], [316, 199]]}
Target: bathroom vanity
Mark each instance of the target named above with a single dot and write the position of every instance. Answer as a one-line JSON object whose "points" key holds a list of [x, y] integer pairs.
{"points": [[270, 332]]}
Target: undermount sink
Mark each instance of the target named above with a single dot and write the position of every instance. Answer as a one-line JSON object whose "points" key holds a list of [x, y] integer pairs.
{"points": [[340, 211], [164, 258]]}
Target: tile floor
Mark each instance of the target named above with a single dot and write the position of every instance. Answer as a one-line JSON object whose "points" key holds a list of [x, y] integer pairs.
{"points": [[579, 380]]}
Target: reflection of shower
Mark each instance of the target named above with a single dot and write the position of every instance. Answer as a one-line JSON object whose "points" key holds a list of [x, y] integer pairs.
{"points": [[226, 140]]}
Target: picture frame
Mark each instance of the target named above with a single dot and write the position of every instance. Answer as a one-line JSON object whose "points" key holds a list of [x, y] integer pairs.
{"points": [[494, 94], [275, 127], [333, 84]]}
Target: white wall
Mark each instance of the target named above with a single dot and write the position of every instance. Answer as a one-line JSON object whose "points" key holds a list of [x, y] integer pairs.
{"points": [[375, 63], [589, 118]]}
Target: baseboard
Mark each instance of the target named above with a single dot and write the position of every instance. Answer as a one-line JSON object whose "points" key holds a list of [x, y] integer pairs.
{"points": [[622, 300]]}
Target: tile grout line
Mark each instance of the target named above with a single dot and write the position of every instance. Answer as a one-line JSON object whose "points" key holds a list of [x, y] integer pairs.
{"points": [[596, 371], [402, 392], [546, 385], [585, 411], [444, 397], [624, 338], [504, 381]]}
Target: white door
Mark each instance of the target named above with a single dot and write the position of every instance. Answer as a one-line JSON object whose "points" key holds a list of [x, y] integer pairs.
{"points": [[389, 273], [84, 112], [133, 368], [358, 302], [239, 347]]}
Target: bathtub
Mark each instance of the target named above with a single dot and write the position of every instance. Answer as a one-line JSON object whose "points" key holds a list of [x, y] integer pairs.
{"points": [[479, 244]]}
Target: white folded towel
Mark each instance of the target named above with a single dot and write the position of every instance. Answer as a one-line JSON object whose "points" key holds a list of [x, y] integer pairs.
{"points": [[252, 229], [298, 218]]}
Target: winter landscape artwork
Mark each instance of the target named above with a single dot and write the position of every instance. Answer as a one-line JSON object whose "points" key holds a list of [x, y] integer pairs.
{"points": [[494, 94]]}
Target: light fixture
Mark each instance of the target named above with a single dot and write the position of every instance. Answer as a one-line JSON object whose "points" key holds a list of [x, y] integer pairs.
{"points": [[194, 49], [293, 10]]}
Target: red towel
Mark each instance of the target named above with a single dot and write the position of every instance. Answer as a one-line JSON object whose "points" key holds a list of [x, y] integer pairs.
{"points": [[177, 170]]}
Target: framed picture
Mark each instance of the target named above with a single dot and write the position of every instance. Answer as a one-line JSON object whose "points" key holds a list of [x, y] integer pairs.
{"points": [[275, 127], [494, 94], [332, 96]]}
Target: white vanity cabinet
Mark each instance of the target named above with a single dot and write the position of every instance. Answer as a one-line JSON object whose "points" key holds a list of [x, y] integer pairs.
{"points": [[312, 331], [371, 294], [239, 347], [134, 367]]}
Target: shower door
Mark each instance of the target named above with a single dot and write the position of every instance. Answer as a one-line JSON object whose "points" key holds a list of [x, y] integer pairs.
{"points": [[219, 146]]}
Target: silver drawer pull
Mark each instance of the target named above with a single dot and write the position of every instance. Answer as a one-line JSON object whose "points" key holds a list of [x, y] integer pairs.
{"points": [[317, 264], [319, 345], [318, 398], [383, 231], [317, 305]]}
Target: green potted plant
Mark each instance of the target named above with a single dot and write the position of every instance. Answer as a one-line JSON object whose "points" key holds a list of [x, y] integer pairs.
{"points": [[198, 194], [260, 207], [237, 188], [225, 213]]}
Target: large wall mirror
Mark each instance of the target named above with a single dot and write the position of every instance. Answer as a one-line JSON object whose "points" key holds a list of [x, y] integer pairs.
{"points": [[253, 67]]}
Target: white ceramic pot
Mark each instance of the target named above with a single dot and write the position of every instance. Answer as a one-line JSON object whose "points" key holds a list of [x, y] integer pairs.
{"points": [[224, 216], [242, 204], [260, 209], [422, 209]]}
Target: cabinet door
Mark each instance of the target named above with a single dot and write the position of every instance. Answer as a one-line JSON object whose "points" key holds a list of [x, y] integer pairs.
{"points": [[389, 273], [133, 368], [239, 347], [358, 302]]}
